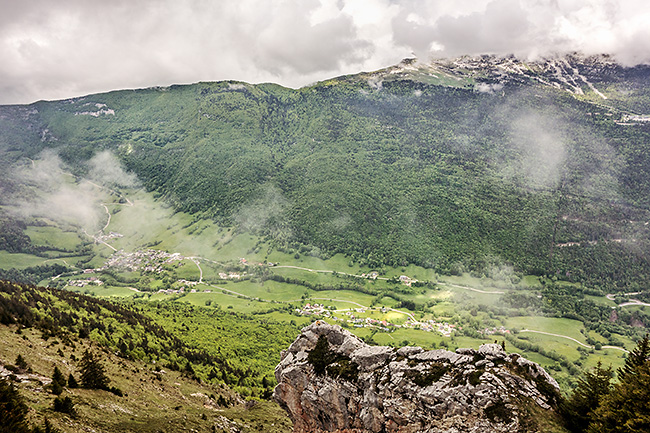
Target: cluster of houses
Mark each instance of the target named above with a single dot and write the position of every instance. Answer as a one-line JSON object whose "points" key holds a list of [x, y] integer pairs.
{"points": [[110, 235], [501, 330], [443, 328], [314, 310], [145, 260], [229, 276], [85, 282], [181, 291]]}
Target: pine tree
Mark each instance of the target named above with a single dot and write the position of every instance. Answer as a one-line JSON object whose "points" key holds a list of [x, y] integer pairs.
{"points": [[21, 363], [64, 405], [92, 372], [72, 382], [636, 358], [577, 410], [13, 410], [58, 377], [626, 409]]}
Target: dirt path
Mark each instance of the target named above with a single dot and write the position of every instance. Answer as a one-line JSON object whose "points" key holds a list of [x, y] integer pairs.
{"points": [[634, 302], [100, 241], [109, 217], [631, 302]]}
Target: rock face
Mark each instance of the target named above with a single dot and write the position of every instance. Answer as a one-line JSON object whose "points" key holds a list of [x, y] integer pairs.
{"points": [[331, 381]]}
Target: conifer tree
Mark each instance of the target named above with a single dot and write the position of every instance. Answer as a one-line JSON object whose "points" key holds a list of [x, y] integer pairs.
{"points": [[92, 372], [578, 409], [625, 408], [58, 377], [21, 363], [13, 410], [636, 358], [72, 382]]}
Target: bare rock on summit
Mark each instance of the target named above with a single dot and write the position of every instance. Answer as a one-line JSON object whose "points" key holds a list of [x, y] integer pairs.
{"points": [[331, 381]]}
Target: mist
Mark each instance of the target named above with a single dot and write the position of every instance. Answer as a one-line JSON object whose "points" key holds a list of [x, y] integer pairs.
{"points": [[50, 191]]}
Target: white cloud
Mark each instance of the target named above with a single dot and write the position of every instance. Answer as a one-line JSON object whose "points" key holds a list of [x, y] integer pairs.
{"points": [[68, 48]]}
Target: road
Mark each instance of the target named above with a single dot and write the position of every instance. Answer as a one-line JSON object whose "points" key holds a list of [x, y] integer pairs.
{"points": [[487, 292], [573, 339], [198, 265], [326, 271]]}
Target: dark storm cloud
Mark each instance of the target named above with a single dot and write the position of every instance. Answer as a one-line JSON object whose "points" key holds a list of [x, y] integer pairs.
{"points": [[57, 49]]}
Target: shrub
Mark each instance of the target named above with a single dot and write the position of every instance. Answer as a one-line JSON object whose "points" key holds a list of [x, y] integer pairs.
{"points": [[63, 405]]}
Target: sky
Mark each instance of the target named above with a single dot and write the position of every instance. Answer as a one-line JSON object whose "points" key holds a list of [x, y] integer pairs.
{"points": [[66, 48]]}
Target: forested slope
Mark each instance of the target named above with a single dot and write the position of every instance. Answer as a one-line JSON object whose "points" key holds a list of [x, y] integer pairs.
{"points": [[388, 169]]}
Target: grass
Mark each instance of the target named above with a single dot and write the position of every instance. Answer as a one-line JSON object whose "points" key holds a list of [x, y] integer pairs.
{"points": [[104, 291], [152, 224], [19, 261], [54, 237], [568, 327], [152, 402]]}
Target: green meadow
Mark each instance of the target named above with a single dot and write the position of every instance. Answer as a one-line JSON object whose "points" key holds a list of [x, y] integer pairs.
{"points": [[273, 283]]}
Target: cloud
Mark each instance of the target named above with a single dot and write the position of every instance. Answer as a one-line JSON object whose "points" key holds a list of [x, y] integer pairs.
{"points": [[73, 47], [106, 169], [49, 191], [528, 29]]}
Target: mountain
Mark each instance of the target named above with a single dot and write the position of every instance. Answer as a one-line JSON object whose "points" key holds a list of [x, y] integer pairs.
{"points": [[458, 165]]}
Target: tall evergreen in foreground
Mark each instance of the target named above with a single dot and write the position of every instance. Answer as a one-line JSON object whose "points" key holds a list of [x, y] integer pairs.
{"points": [[13, 410], [626, 409], [93, 375], [578, 409]]}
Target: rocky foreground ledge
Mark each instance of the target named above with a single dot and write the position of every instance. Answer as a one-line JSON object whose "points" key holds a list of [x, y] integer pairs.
{"points": [[329, 380]]}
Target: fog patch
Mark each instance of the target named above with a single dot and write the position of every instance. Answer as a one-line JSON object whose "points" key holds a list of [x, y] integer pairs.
{"points": [[266, 213], [236, 86], [375, 83], [538, 149], [48, 190], [341, 223], [488, 88], [105, 168]]}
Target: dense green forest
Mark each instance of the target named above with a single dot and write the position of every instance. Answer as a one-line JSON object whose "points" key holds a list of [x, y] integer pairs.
{"points": [[449, 178]]}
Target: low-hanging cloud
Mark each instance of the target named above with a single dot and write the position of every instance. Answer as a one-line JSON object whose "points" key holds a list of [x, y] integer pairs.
{"points": [[48, 190], [106, 169], [67, 48]]}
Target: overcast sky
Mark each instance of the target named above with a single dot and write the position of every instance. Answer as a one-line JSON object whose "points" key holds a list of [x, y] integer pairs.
{"points": [[55, 49]]}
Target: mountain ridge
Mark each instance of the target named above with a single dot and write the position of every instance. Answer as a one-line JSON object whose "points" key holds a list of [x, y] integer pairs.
{"points": [[406, 171]]}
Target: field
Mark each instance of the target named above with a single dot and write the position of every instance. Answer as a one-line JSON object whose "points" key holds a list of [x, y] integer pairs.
{"points": [[211, 266]]}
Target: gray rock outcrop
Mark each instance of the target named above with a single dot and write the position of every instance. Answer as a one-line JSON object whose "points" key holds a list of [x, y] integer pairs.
{"points": [[331, 381]]}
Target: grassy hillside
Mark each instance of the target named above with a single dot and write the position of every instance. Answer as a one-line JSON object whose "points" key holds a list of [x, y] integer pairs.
{"points": [[159, 381]]}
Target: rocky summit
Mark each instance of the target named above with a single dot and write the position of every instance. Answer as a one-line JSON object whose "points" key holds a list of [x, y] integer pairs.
{"points": [[329, 380]]}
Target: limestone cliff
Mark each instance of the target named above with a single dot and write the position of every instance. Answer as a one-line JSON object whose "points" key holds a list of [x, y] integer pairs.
{"points": [[330, 380]]}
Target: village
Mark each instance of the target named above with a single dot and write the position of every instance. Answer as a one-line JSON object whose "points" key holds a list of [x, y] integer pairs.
{"points": [[348, 316], [142, 260]]}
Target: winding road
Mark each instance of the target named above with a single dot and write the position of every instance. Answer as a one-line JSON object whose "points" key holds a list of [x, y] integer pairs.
{"points": [[573, 339]]}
